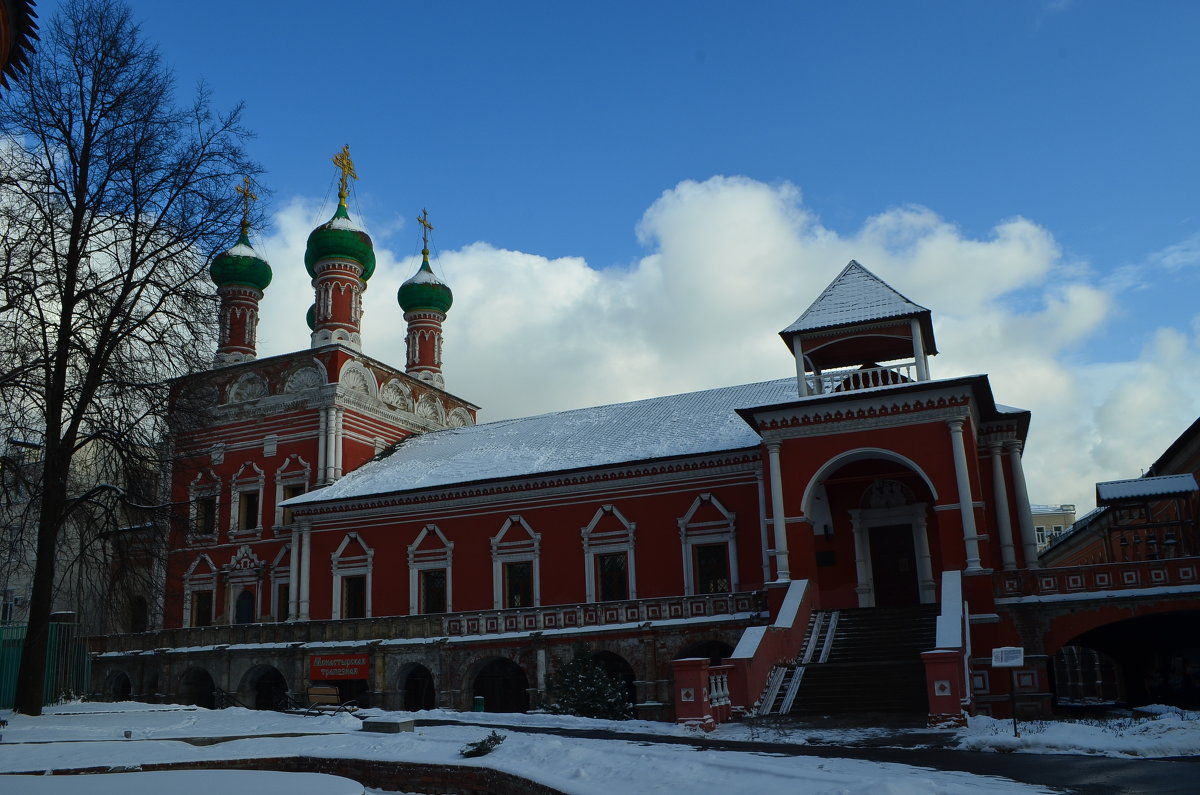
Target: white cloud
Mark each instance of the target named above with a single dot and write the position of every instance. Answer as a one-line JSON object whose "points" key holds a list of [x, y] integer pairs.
{"points": [[732, 261]]}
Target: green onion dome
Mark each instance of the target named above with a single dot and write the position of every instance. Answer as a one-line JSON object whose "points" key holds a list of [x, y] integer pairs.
{"points": [[240, 265], [340, 238], [310, 317], [424, 290]]}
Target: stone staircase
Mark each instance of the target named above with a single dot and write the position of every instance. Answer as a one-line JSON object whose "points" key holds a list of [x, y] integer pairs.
{"points": [[859, 660]]}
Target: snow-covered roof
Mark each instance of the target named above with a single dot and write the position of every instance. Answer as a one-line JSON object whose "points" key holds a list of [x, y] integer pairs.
{"points": [[855, 296], [694, 423], [1145, 487]]}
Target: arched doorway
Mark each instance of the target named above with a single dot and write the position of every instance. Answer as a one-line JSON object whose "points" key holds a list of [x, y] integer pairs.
{"points": [[120, 688], [503, 685], [618, 668], [869, 510], [418, 687], [263, 687], [244, 609], [196, 686]]}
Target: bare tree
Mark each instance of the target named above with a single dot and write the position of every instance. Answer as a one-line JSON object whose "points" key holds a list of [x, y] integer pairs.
{"points": [[112, 200]]}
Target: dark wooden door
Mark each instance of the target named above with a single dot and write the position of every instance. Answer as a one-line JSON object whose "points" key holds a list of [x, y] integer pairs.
{"points": [[894, 566]]}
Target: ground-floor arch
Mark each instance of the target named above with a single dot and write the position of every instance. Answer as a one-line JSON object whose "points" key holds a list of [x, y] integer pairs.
{"points": [[263, 687], [503, 685], [714, 650], [417, 686], [119, 686], [196, 686], [618, 668]]}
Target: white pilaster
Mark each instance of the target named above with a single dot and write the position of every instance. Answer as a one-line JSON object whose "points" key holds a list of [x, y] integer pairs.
{"points": [[322, 449], [294, 576], [1003, 522], [963, 482], [862, 562], [778, 518], [924, 560], [1024, 512], [305, 570]]}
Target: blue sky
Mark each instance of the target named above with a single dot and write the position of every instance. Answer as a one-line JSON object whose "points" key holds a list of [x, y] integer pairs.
{"points": [[631, 198]]}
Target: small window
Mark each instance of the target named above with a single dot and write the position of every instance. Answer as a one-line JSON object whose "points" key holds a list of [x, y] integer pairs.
{"points": [[205, 521], [202, 608], [612, 575], [354, 596], [433, 590], [1041, 534], [518, 584], [248, 510], [289, 491], [712, 568], [1058, 530]]}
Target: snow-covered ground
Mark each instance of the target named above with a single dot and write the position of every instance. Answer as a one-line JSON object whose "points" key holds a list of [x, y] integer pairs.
{"points": [[84, 735]]}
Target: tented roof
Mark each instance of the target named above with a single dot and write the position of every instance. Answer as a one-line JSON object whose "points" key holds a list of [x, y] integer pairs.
{"points": [[855, 296]]}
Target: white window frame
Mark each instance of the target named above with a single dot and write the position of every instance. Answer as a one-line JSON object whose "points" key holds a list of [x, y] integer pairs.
{"points": [[206, 485], [608, 542], [420, 560], [194, 582], [528, 549], [343, 565], [693, 534], [294, 471], [243, 483], [281, 574]]}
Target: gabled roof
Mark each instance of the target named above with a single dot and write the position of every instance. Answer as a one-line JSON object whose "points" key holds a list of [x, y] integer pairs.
{"points": [[695, 423], [1162, 486], [855, 296]]}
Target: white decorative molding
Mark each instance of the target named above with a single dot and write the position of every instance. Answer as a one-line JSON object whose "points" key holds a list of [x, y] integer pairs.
{"points": [[352, 558], [608, 542], [396, 395], [526, 549], [357, 378], [438, 556], [694, 533], [303, 378], [249, 386]]}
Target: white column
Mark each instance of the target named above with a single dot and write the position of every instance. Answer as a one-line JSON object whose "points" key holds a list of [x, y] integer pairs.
{"points": [[762, 526], [963, 482], [924, 561], [294, 576], [862, 562], [331, 443], [1003, 521], [801, 379], [778, 518], [322, 450], [919, 350], [339, 431], [1024, 512], [305, 570]]}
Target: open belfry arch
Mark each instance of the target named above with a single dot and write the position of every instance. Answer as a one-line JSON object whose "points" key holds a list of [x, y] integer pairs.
{"points": [[370, 520]]}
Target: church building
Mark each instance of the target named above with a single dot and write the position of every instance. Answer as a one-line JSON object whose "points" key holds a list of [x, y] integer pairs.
{"points": [[721, 551]]}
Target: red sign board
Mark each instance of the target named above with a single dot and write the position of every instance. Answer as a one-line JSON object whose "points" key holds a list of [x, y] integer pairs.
{"points": [[337, 666]]}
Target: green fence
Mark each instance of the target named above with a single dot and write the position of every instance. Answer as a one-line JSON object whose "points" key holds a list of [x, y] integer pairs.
{"points": [[68, 666]]}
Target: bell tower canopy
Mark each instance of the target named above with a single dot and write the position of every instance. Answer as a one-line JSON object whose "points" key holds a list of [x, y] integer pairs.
{"points": [[858, 322]]}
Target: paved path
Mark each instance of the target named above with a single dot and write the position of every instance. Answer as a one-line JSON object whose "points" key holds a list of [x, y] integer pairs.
{"points": [[1087, 775]]}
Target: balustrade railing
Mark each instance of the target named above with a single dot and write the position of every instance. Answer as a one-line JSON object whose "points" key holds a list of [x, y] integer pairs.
{"points": [[462, 624], [1097, 578], [851, 379]]}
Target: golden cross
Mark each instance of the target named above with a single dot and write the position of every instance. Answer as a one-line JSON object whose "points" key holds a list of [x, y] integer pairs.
{"points": [[346, 165], [423, 220], [247, 197]]}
